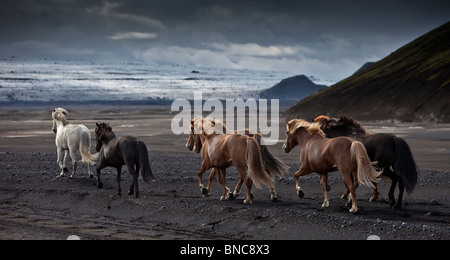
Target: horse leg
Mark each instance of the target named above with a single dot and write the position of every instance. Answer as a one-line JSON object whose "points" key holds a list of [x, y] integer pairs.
{"points": [[62, 162], [99, 182], [91, 175], [346, 194], [222, 180], [325, 187], [391, 175], [375, 193], [74, 163], [248, 183], [118, 178], [237, 189], [134, 185], [207, 192], [301, 172], [200, 181], [273, 195], [401, 188], [350, 184]]}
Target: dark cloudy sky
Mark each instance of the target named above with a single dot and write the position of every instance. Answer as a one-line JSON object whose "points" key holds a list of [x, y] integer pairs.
{"points": [[324, 38]]}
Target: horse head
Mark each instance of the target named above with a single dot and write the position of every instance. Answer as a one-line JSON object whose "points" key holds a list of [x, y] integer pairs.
{"points": [[102, 132], [290, 142], [330, 126], [59, 114], [293, 128], [194, 142]]}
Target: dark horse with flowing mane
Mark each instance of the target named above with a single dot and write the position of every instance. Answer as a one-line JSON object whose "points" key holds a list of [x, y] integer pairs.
{"points": [[118, 151], [387, 149]]}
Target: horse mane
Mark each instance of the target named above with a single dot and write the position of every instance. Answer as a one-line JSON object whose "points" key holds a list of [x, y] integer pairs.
{"points": [[319, 119], [350, 121], [60, 115], [208, 125], [311, 128]]}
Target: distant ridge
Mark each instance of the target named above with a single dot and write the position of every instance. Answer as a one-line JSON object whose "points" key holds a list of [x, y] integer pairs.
{"points": [[291, 90], [411, 84]]}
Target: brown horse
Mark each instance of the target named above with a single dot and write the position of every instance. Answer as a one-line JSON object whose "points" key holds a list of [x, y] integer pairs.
{"points": [[272, 164], [118, 151], [322, 155], [392, 153], [221, 151]]}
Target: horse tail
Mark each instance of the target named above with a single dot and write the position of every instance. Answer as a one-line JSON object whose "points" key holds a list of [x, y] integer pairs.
{"points": [[256, 170], [144, 163], [272, 164], [366, 174], [85, 147], [404, 165]]}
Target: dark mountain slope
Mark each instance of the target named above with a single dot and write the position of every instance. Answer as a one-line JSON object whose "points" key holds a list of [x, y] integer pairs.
{"points": [[411, 84], [290, 90]]}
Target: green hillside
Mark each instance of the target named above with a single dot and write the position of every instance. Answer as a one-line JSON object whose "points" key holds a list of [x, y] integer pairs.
{"points": [[411, 84]]}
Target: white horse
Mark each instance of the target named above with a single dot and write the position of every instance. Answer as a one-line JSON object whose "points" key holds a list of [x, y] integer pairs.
{"points": [[72, 138]]}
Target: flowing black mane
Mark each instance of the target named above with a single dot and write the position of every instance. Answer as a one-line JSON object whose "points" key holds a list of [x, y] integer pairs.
{"points": [[357, 128]]}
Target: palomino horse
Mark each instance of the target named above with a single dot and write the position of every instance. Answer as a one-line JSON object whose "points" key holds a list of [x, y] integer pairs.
{"points": [[72, 138], [322, 155], [387, 149], [220, 151], [272, 164], [118, 151]]}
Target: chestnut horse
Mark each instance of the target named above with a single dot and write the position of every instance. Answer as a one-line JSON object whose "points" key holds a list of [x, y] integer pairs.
{"points": [[272, 164], [118, 151], [221, 151], [387, 149], [322, 155]]}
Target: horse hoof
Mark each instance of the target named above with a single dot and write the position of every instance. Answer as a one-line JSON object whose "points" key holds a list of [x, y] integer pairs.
{"points": [[205, 192], [354, 210], [300, 194], [99, 185], [274, 199], [392, 203], [91, 176], [398, 206], [248, 201], [65, 170]]}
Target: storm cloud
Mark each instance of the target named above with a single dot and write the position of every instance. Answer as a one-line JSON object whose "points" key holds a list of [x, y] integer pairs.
{"points": [[324, 38]]}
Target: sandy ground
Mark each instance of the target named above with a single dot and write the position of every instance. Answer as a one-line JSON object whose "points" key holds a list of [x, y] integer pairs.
{"points": [[36, 205]]}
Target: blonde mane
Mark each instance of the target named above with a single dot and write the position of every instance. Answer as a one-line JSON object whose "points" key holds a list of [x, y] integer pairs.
{"points": [[311, 128], [208, 126]]}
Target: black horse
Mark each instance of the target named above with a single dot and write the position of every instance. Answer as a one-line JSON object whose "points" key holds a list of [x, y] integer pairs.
{"points": [[391, 152], [118, 151]]}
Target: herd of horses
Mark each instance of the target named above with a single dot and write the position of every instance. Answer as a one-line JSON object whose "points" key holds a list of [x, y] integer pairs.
{"points": [[326, 145]]}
